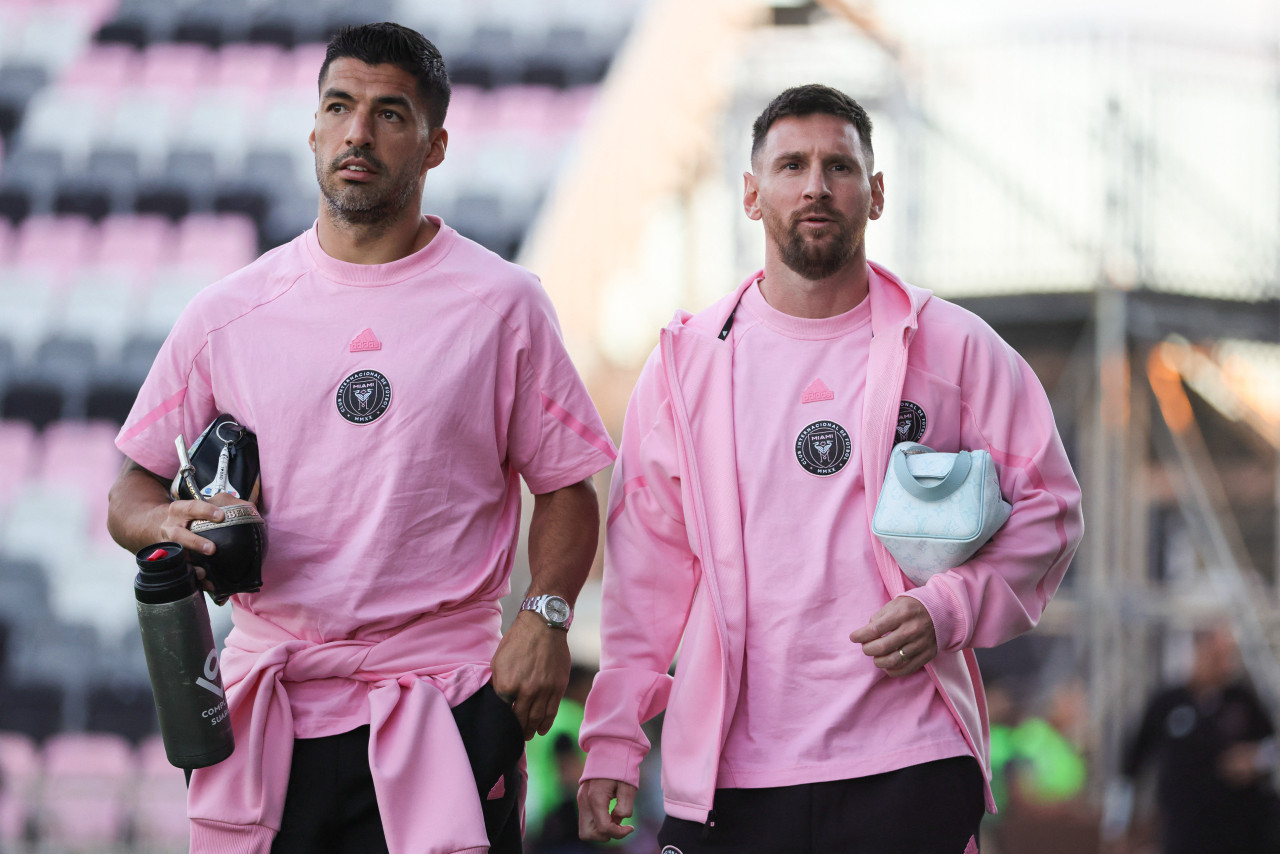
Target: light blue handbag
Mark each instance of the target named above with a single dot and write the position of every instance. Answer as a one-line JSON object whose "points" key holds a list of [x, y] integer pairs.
{"points": [[937, 509]]}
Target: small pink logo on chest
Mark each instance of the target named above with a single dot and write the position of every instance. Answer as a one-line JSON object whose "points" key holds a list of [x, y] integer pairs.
{"points": [[365, 341], [816, 391]]}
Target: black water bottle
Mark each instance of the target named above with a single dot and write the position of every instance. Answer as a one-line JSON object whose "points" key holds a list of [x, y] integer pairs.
{"points": [[182, 659]]}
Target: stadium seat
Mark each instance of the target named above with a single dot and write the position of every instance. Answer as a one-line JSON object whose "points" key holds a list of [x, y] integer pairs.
{"points": [[194, 170], [103, 69], [36, 401], [16, 204], [136, 245], [110, 397], [87, 778], [287, 219], [480, 217], [17, 449], [83, 195], [175, 68], [175, 285], [24, 593], [201, 27], [270, 28], [80, 455], [217, 122], [66, 359], [137, 109], [8, 362], [222, 242], [31, 708], [20, 81], [123, 708], [28, 299], [159, 15], [20, 772], [34, 173], [251, 69], [41, 520], [118, 171], [101, 307], [124, 30], [160, 815], [137, 355], [53, 36], [58, 244], [45, 123], [287, 121]]}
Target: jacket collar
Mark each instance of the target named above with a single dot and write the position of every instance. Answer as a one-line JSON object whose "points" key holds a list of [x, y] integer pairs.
{"points": [[895, 305]]}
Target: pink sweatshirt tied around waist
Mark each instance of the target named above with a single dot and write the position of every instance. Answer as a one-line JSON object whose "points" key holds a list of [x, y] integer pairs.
{"points": [[421, 774]]}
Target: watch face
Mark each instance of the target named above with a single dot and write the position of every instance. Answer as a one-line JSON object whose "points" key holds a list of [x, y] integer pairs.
{"points": [[556, 609]]}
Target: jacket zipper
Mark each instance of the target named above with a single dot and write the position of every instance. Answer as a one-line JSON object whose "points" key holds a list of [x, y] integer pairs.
{"points": [[704, 534]]}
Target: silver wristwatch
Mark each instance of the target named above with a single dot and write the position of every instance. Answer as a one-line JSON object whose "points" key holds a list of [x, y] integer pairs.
{"points": [[554, 609]]}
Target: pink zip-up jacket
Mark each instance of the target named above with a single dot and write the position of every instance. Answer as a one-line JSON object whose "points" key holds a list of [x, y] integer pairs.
{"points": [[674, 575]]}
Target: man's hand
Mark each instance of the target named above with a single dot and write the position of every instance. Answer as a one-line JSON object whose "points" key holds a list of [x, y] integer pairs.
{"points": [[1238, 765], [531, 671], [595, 822], [899, 637], [179, 514]]}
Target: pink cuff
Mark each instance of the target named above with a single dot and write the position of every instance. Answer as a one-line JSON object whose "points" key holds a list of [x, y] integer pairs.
{"points": [[613, 759], [218, 837], [950, 620]]}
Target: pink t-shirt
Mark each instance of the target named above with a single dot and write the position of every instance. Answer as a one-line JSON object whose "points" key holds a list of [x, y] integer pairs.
{"points": [[396, 407], [812, 706]]}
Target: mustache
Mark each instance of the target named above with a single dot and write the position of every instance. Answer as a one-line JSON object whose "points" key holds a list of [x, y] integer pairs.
{"points": [[816, 210], [356, 154]]}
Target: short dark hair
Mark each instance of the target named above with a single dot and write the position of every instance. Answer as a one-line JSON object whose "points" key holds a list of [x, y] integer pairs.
{"points": [[392, 44], [806, 101]]}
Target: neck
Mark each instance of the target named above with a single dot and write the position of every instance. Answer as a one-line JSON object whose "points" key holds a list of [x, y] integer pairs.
{"points": [[791, 293], [377, 243]]}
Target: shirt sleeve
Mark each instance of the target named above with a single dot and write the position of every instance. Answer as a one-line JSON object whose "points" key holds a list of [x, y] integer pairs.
{"points": [[555, 437], [176, 398]]}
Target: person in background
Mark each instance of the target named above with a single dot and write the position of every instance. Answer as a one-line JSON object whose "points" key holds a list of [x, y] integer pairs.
{"points": [[1214, 751], [821, 702], [542, 756], [401, 381]]}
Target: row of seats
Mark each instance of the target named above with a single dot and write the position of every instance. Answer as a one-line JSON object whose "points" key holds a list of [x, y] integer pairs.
{"points": [[55, 247], [93, 299], [90, 791], [142, 22], [75, 455], [231, 122], [70, 649], [494, 55], [41, 397]]}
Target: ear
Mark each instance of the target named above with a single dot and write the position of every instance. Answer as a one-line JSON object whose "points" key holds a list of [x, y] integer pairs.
{"points": [[877, 196], [751, 196], [311, 138], [438, 141]]}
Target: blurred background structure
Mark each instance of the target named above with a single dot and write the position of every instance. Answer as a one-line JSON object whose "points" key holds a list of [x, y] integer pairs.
{"points": [[1099, 181]]}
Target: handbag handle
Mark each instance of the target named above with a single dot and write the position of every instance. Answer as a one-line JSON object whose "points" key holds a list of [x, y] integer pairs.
{"points": [[935, 492]]}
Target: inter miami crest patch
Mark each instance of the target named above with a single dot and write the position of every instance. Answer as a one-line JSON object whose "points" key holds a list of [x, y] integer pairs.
{"points": [[671, 849], [363, 397], [823, 448], [911, 423]]}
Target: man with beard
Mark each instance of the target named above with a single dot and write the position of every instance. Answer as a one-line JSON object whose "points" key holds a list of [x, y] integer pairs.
{"points": [[821, 702], [401, 380]]}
